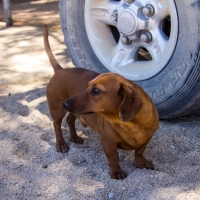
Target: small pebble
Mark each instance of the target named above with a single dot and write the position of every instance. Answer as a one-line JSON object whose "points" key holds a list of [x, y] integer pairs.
{"points": [[17, 139], [133, 194], [110, 196], [44, 166], [193, 163], [39, 194], [60, 156], [92, 174], [43, 137]]}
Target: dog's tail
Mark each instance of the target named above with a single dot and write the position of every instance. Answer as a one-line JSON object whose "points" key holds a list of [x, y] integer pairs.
{"points": [[56, 66]]}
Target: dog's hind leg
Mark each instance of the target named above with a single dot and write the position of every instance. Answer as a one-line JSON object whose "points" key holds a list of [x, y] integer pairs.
{"points": [[73, 135], [57, 115]]}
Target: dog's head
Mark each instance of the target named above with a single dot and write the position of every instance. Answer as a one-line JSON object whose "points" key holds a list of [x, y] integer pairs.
{"points": [[108, 94]]}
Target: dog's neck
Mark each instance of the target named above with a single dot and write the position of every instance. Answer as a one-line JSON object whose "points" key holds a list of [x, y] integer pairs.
{"points": [[114, 118], [142, 120]]}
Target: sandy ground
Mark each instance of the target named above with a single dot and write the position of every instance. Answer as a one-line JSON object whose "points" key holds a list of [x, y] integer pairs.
{"points": [[34, 13], [30, 167]]}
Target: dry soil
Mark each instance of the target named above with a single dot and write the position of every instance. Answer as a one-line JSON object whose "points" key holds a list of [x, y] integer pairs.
{"points": [[30, 167]]}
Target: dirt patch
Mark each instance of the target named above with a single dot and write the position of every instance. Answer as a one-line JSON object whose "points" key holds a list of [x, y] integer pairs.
{"points": [[34, 13], [30, 167]]}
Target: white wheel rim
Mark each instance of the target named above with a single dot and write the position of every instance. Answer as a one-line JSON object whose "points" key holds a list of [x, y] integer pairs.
{"points": [[123, 59]]}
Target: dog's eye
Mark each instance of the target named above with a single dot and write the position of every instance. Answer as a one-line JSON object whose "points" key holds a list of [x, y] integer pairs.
{"points": [[95, 91]]}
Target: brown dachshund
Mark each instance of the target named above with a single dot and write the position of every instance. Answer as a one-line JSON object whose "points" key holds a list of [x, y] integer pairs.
{"points": [[116, 108]]}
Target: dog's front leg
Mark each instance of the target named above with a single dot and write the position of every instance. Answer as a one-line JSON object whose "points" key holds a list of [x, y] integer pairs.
{"points": [[112, 155], [140, 161], [73, 135]]}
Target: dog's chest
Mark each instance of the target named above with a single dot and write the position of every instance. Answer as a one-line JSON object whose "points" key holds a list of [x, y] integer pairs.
{"points": [[133, 136], [94, 121]]}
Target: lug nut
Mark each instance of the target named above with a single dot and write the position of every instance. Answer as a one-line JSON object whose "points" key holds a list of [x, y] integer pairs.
{"points": [[148, 10], [114, 16], [129, 2], [125, 40], [146, 37]]}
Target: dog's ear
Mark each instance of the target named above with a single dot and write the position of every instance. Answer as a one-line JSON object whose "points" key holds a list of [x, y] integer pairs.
{"points": [[131, 103]]}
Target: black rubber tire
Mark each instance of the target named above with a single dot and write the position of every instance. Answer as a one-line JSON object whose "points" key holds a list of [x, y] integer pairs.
{"points": [[176, 89]]}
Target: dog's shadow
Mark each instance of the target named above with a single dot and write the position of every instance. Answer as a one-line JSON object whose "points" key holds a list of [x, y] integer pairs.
{"points": [[21, 103]]}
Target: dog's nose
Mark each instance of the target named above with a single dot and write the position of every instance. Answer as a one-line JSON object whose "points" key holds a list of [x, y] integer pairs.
{"points": [[66, 104]]}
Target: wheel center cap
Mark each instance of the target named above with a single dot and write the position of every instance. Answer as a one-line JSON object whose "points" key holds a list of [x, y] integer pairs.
{"points": [[127, 22]]}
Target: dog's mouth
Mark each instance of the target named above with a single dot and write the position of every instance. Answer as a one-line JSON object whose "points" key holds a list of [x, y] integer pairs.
{"points": [[86, 113], [76, 113]]}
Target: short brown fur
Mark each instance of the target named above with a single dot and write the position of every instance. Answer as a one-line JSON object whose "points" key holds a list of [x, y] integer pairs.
{"points": [[116, 108]]}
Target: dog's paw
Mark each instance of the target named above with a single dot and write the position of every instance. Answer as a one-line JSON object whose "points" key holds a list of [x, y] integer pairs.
{"points": [[77, 140], [119, 174], [141, 163], [62, 147]]}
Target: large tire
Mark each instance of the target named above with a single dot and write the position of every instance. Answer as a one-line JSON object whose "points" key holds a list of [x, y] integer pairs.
{"points": [[175, 89]]}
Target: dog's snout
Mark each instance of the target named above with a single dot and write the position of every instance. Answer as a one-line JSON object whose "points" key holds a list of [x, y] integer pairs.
{"points": [[66, 104]]}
